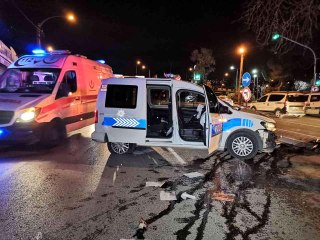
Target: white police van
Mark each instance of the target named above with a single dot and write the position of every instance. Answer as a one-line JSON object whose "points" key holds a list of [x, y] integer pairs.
{"points": [[171, 113]]}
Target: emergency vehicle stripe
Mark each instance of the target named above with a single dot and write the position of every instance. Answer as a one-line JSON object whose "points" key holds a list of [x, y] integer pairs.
{"points": [[125, 122]]}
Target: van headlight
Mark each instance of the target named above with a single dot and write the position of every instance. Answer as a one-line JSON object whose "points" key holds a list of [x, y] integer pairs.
{"points": [[269, 126], [28, 115]]}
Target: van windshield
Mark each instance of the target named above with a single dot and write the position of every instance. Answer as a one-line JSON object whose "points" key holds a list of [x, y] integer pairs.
{"points": [[29, 80]]}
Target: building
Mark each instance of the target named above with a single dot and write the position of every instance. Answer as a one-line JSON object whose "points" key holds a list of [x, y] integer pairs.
{"points": [[7, 56]]}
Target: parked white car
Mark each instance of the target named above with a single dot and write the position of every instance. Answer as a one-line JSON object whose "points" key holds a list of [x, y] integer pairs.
{"points": [[312, 104], [281, 103]]}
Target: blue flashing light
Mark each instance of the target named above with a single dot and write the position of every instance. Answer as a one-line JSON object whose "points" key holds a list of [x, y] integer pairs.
{"points": [[38, 51], [1, 132], [101, 61]]}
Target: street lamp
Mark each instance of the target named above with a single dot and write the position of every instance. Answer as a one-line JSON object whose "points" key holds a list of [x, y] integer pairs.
{"points": [[144, 67], [49, 48], [236, 82], [241, 51], [70, 17], [137, 63], [226, 74], [255, 82], [276, 36]]}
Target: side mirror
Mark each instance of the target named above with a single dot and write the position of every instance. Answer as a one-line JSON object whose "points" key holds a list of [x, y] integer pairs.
{"points": [[225, 110]]}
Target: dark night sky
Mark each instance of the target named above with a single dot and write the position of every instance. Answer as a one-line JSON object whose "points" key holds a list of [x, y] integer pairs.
{"points": [[160, 33]]}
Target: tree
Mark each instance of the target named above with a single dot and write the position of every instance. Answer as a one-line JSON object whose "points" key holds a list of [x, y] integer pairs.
{"points": [[295, 19], [204, 61], [277, 74]]}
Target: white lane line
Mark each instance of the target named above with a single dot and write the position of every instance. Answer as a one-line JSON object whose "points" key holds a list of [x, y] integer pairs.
{"points": [[317, 137], [179, 159]]}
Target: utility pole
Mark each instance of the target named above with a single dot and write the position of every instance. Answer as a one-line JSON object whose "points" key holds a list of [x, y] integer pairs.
{"points": [[240, 76]]}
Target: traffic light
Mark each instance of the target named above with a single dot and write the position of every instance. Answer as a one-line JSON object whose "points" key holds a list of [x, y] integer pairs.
{"points": [[275, 36], [317, 83], [197, 76]]}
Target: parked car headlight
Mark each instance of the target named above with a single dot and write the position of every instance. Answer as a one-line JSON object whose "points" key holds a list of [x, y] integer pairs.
{"points": [[269, 126], [28, 115]]}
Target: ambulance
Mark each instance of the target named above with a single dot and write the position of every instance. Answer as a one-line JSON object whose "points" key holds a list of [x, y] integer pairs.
{"points": [[45, 96], [172, 113]]}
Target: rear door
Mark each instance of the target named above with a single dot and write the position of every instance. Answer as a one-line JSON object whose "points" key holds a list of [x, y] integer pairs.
{"points": [[275, 101], [125, 110], [213, 121], [315, 104], [261, 103], [295, 103]]}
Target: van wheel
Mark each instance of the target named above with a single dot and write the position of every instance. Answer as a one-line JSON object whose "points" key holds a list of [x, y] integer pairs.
{"points": [[253, 109], [52, 134], [277, 112], [121, 148], [242, 145]]}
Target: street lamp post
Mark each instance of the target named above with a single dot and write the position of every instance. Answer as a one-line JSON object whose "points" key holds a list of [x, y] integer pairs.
{"points": [[236, 81], [241, 51], [277, 36], [70, 17], [137, 63]]}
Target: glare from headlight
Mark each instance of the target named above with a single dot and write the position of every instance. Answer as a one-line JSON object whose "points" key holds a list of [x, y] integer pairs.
{"points": [[269, 126], [28, 116]]}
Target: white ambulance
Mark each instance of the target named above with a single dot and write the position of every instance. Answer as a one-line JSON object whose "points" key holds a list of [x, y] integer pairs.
{"points": [[171, 113], [43, 97]]}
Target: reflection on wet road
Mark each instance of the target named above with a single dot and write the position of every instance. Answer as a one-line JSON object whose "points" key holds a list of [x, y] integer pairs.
{"points": [[79, 191]]}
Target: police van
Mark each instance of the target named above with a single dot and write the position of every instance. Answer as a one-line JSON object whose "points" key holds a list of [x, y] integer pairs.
{"points": [[45, 96], [172, 113]]}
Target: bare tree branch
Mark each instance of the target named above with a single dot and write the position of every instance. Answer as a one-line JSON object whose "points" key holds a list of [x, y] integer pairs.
{"points": [[294, 19]]}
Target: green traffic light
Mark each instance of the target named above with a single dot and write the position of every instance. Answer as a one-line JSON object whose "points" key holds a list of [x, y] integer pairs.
{"points": [[317, 82], [197, 76], [275, 36]]}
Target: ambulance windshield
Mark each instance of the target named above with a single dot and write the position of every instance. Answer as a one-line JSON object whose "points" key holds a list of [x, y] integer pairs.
{"points": [[29, 80]]}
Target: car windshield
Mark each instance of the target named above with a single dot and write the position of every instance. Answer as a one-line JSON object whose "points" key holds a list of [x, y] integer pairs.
{"points": [[31, 80], [297, 98]]}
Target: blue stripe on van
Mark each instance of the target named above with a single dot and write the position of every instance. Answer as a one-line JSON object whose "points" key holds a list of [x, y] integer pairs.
{"points": [[125, 122]]}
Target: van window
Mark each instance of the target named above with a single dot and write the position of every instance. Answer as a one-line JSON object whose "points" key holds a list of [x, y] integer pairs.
{"points": [[121, 96], [190, 99], [315, 98], [159, 96], [263, 99], [213, 100], [275, 97], [297, 98], [68, 84]]}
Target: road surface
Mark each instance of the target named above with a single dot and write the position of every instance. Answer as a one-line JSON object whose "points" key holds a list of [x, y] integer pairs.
{"points": [[79, 191]]}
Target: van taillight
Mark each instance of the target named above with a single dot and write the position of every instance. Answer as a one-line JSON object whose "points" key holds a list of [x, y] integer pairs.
{"points": [[96, 116]]}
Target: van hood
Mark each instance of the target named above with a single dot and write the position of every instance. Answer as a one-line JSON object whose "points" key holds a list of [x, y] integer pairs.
{"points": [[257, 116], [17, 101]]}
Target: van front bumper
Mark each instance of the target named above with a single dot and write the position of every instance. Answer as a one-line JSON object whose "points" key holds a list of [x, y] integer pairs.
{"points": [[269, 140], [21, 133]]}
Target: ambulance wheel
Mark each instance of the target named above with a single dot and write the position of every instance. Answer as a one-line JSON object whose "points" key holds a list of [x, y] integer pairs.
{"points": [[121, 148], [52, 134], [242, 145]]}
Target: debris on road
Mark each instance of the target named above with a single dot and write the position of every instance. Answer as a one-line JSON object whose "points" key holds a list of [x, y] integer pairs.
{"points": [[193, 175], [225, 197], [186, 195], [168, 196], [142, 228], [154, 184]]}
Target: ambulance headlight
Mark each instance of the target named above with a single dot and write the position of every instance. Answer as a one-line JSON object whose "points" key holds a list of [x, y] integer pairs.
{"points": [[269, 126], [28, 115]]}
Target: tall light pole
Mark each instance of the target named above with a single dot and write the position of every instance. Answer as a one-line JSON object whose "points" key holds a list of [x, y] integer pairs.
{"points": [[241, 51], [255, 84], [137, 63], [70, 17], [276, 36], [236, 81]]}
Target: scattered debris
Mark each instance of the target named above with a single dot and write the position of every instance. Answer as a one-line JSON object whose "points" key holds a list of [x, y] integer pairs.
{"points": [[193, 175], [186, 195], [167, 184], [114, 177], [225, 197], [141, 229], [154, 184], [168, 196], [39, 236]]}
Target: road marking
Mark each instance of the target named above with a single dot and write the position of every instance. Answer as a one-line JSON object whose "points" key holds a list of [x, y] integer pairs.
{"points": [[317, 137], [179, 159]]}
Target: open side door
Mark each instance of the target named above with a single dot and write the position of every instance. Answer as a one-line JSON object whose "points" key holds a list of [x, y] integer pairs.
{"points": [[213, 121]]}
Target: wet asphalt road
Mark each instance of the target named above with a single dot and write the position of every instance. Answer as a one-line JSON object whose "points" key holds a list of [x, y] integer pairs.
{"points": [[79, 191]]}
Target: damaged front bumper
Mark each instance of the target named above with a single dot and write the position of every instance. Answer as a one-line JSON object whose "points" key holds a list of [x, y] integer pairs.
{"points": [[268, 140]]}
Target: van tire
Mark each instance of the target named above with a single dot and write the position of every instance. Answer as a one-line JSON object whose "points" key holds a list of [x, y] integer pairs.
{"points": [[53, 134], [121, 148], [235, 140], [278, 112], [253, 109]]}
